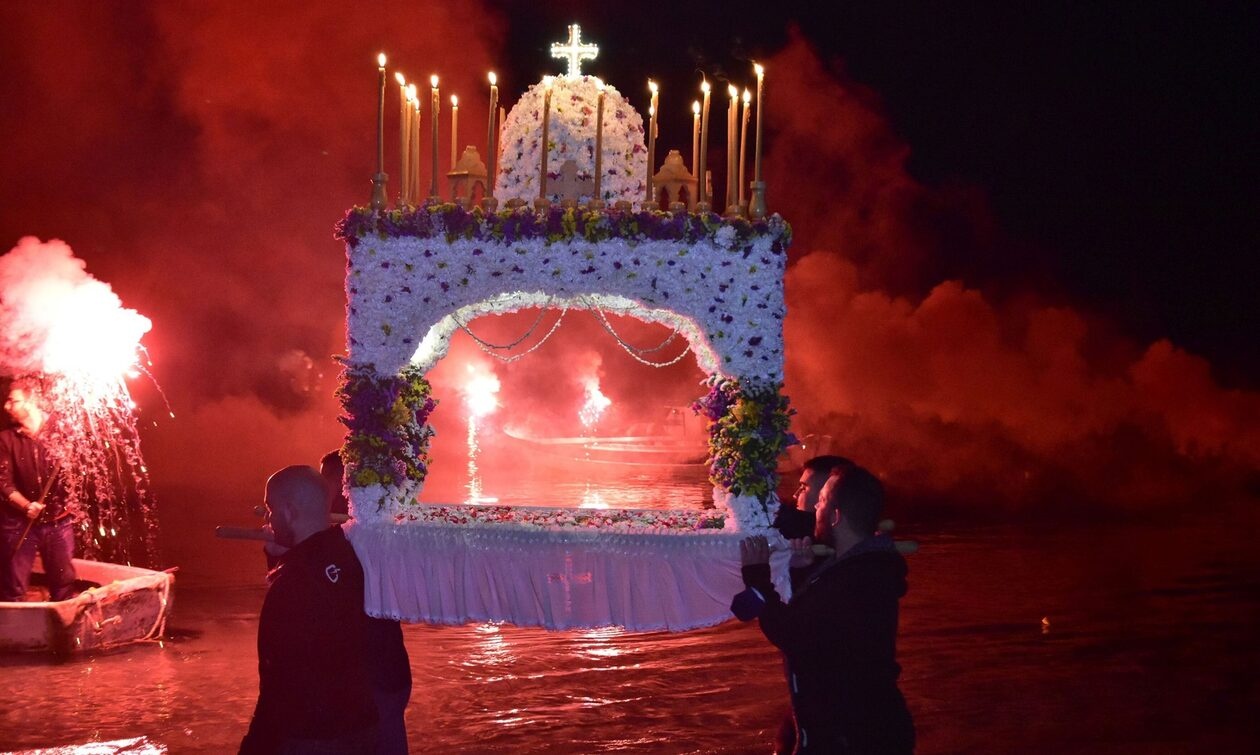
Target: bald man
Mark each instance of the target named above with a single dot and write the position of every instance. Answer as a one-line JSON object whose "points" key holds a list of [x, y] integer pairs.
{"points": [[313, 692]]}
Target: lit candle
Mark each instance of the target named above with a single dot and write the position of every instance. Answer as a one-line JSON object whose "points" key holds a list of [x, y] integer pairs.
{"points": [[761, 106], [433, 117], [599, 143], [732, 114], [454, 130], [695, 135], [546, 118], [651, 159], [491, 150], [380, 116], [701, 194], [404, 135], [413, 189], [743, 143]]}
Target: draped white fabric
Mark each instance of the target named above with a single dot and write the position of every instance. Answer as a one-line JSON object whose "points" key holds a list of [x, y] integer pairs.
{"points": [[558, 579]]}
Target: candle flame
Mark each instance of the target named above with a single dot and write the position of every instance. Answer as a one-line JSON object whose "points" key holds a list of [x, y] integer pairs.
{"points": [[760, 69], [730, 88], [433, 81], [704, 87], [651, 110], [547, 81], [493, 79], [652, 86], [454, 100], [402, 82], [599, 85], [380, 60], [747, 96], [411, 93], [695, 107]]}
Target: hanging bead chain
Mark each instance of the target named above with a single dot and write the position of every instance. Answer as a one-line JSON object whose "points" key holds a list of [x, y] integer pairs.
{"points": [[489, 349], [487, 345], [634, 351]]}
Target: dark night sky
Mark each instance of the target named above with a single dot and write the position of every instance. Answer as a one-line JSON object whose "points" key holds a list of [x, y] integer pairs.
{"points": [[1116, 142], [1033, 231]]}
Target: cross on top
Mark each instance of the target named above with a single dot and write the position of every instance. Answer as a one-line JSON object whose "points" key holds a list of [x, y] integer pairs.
{"points": [[574, 50]]}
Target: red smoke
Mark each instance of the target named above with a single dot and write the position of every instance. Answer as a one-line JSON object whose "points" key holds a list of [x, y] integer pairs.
{"points": [[197, 156]]}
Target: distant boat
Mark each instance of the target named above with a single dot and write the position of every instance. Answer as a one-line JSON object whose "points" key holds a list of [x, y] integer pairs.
{"points": [[124, 604], [679, 438]]}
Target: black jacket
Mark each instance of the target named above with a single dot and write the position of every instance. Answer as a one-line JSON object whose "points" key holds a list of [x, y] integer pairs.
{"points": [[838, 637], [312, 680]]}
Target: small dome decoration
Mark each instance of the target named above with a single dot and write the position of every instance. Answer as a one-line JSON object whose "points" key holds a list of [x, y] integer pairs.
{"points": [[571, 134]]}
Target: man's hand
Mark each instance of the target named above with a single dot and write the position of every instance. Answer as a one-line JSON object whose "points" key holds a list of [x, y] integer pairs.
{"points": [[754, 550], [802, 552], [34, 509]]}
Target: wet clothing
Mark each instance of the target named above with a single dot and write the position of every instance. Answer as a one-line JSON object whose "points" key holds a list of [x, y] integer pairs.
{"points": [[838, 637], [25, 467], [313, 689]]}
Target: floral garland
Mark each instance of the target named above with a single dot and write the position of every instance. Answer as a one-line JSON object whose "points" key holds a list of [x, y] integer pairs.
{"points": [[537, 518], [747, 434], [387, 442], [571, 136], [558, 225]]}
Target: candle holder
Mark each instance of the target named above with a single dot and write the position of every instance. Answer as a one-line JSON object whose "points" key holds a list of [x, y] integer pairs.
{"points": [[757, 206], [622, 205], [514, 204], [733, 212], [650, 206], [596, 204], [677, 207], [490, 204], [703, 207], [542, 204], [379, 199]]}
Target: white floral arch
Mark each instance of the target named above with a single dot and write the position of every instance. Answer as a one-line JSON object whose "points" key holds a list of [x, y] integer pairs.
{"points": [[415, 275]]}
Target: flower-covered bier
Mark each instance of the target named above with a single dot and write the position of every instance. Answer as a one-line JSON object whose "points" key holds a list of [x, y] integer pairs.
{"points": [[387, 438], [571, 137]]}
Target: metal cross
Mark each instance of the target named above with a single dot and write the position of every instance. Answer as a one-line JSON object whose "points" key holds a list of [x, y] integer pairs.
{"points": [[575, 51]]}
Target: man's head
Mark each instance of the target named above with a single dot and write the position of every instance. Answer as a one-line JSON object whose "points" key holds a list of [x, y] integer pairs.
{"points": [[333, 470], [26, 402], [852, 499], [297, 500], [813, 476]]}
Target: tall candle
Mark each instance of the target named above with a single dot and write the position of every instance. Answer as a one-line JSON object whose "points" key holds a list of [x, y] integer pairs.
{"points": [[546, 116], [732, 113], [433, 117], [761, 106], [695, 135], [599, 143], [743, 143], [380, 115], [454, 130], [651, 155], [413, 188], [404, 135], [701, 193], [491, 151]]}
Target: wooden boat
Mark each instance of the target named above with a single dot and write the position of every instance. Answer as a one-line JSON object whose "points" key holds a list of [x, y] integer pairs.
{"points": [[678, 439], [121, 604]]}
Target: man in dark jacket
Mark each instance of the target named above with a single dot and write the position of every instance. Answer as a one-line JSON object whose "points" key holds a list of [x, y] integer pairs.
{"points": [[838, 634], [313, 692], [796, 517], [33, 514]]}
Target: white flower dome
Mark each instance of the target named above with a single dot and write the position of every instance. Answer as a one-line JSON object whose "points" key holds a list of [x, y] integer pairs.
{"points": [[571, 137]]}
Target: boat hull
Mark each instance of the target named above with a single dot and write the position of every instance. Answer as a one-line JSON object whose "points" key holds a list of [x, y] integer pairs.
{"points": [[129, 605]]}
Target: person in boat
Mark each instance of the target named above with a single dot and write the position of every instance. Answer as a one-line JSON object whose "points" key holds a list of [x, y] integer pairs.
{"points": [[34, 518], [388, 665], [796, 518], [838, 633], [313, 691]]}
